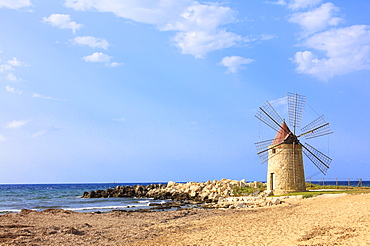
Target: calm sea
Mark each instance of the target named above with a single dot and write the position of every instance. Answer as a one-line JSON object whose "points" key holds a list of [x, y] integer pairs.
{"points": [[14, 197], [356, 183]]}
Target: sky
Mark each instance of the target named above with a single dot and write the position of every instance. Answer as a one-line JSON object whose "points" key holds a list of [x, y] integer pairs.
{"points": [[159, 90]]}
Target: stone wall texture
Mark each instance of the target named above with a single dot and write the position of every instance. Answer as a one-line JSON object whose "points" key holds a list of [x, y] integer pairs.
{"points": [[285, 172]]}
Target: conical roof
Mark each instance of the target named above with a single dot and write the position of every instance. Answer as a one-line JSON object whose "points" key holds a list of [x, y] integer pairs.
{"points": [[282, 134]]}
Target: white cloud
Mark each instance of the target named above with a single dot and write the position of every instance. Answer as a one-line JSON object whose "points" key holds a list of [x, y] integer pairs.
{"points": [[16, 123], [36, 95], [39, 133], [157, 12], [264, 37], [329, 52], [114, 64], [279, 102], [346, 50], [3, 139], [103, 58], [199, 27], [235, 63], [279, 2], [281, 106], [12, 77], [198, 17], [97, 57], [199, 44], [15, 4], [9, 66], [5, 67], [91, 42], [296, 4], [16, 63], [12, 90], [299, 4], [62, 21], [317, 19]]}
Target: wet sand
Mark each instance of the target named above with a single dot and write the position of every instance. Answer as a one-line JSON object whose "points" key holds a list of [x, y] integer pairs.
{"points": [[324, 220]]}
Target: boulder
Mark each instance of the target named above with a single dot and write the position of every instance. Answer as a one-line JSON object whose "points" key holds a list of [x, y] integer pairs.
{"points": [[170, 183], [275, 201], [210, 191]]}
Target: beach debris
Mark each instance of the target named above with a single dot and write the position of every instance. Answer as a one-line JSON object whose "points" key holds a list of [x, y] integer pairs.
{"points": [[74, 231]]}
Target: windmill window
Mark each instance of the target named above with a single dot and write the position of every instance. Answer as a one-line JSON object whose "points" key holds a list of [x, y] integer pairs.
{"points": [[273, 151]]}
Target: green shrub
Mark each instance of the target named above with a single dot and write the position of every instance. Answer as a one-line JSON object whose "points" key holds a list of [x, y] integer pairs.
{"points": [[242, 191]]}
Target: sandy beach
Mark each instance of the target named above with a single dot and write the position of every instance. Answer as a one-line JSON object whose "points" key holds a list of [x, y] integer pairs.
{"points": [[323, 220]]}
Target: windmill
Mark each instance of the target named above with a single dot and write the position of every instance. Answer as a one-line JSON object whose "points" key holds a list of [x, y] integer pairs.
{"points": [[285, 172]]}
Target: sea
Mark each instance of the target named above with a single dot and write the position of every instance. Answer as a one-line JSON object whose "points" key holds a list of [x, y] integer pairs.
{"points": [[38, 197]]}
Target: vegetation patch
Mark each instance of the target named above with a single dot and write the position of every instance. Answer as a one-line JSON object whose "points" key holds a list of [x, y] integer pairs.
{"points": [[243, 191], [316, 190], [312, 190], [311, 186]]}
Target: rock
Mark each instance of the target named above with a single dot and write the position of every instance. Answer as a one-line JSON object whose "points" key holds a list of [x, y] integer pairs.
{"points": [[193, 194], [92, 194], [170, 183], [268, 193], [275, 201], [243, 183], [241, 205], [207, 192], [27, 211]]}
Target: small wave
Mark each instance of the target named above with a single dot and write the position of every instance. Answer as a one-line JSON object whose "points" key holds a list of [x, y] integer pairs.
{"points": [[107, 207], [146, 201], [6, 211], [46, 207]]}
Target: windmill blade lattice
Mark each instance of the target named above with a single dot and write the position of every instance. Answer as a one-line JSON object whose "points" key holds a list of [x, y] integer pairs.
{"points": [[319, 159], [268, 149], [263, 148], [295, 109], [317, 128], [269, 116]]}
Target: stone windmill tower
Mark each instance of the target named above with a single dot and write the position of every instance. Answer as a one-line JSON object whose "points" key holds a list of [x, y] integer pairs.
{"points": [[285, 172]]}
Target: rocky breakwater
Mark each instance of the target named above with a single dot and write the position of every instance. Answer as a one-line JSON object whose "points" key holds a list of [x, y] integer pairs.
{"points": [[203, 192]]}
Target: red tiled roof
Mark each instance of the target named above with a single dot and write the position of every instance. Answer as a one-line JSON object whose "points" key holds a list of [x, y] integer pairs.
{"points": [[282, 134]]}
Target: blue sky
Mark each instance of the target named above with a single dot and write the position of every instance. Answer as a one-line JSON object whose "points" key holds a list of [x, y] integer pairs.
{"points": [[138, 90]]}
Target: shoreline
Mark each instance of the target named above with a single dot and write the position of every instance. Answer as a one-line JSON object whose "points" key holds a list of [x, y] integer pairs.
{"points": [[209, 194], [322, 220]]}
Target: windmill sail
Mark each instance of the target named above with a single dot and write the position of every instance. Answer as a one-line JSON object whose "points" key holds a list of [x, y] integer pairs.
{"points": [[289, 140], [269, 116], [319, 159], [317, 128], [295, 109], [263, 148]]}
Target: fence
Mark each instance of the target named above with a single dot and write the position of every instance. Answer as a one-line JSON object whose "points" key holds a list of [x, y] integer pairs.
{"points": [[358, 183]]}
